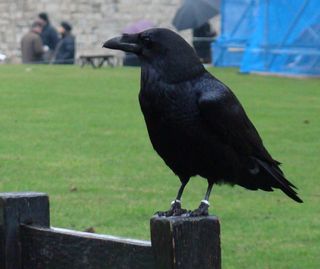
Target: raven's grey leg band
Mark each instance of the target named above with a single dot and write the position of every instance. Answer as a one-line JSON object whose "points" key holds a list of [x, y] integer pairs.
{"points": [[205, 202], [176, 201]]}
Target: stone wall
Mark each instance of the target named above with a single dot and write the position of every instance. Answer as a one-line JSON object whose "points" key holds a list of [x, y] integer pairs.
{"points": [[93, 21]]}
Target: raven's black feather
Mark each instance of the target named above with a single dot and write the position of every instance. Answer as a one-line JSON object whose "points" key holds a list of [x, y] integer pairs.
{"points": [[195, 122]]}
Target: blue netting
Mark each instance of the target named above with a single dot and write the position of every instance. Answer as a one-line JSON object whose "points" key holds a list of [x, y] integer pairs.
{"points": [[286, 39], [279, 36], [237, 25]]}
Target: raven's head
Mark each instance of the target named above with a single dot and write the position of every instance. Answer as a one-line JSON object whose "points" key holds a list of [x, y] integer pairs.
{"points": [[163, 50]]}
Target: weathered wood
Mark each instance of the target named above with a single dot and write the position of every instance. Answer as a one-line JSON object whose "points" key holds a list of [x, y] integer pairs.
{"points": [[27, 242], [60, 248], [186, 243], [17, 208]]}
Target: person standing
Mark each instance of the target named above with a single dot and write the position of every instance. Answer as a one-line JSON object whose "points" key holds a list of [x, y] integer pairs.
{"points": [[49, 36], [203, 36], [65, 50], [31, 45]]}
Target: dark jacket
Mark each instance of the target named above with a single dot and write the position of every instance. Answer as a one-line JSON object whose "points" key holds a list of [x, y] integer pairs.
{"points": [[65, 50], [202, 39], [49, 37], [31, 48]]}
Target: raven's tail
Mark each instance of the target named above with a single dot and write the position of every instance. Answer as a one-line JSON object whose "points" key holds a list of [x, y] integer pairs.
{"points": [[277, 179]]}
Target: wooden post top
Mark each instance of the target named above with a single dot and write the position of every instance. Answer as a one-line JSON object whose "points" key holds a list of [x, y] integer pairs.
{"points": [[18, 195], [182, 219], [186, 242], [18, 208]]}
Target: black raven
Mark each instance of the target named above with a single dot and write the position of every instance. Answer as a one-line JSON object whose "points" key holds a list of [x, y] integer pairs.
{"points": [[195, 122]]}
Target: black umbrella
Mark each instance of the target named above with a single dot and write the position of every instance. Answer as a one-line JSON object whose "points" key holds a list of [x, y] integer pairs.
{"points": [[194, 13]]}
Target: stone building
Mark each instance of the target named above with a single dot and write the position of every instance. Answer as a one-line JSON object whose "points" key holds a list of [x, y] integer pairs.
{"points": [[93, 21]]}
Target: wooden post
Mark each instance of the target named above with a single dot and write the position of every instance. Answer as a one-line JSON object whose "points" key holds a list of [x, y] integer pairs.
{"points": [[186, 243], [15, 209]]}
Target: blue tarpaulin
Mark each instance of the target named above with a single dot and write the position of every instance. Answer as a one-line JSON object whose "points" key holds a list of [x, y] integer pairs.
{"points": [[280, 36], [237, 25]]}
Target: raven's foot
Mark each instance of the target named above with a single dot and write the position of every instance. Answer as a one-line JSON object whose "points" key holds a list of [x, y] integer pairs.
{"points": [[202, 210], [175, 210]]}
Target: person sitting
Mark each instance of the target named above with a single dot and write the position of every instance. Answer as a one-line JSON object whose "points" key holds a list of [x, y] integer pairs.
{"points": [[31, 45], [65, 50]]}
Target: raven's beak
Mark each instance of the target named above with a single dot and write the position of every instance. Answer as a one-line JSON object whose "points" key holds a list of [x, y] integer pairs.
{"points": [[128, 43]]}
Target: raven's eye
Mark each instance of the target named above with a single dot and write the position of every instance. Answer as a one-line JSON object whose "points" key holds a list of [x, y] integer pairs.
{"points": [[147, 42]]}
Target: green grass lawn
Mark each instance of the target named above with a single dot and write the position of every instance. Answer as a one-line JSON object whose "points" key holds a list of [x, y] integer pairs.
{"points": [[63, 128]]}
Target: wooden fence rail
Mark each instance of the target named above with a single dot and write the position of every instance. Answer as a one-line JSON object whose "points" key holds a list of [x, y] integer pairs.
{"points": [[28, 242]]}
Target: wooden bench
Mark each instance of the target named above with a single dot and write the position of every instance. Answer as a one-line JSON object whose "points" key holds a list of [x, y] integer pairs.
{"points": [[97, 61]]}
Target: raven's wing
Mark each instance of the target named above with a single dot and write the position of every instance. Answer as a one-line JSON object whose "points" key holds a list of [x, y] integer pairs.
{"points": [[225, 117]]}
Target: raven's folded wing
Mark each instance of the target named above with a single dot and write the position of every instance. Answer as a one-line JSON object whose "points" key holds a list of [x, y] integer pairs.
{"points": [[225, 116]]}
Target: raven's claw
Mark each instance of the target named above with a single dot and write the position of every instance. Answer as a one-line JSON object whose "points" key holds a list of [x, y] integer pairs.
{"points": [[202, 210], [175, 210]]}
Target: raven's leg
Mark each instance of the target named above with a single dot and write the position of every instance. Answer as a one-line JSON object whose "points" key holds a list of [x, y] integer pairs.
{"points": [[203, 209], [175, 209]]}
